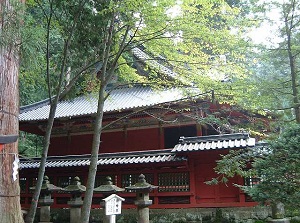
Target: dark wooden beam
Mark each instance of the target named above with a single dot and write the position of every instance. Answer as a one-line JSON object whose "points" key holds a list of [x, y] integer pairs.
{"points": [[5, 139]]}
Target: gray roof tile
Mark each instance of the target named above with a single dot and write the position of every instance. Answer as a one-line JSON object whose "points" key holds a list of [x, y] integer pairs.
{"points": [[225, 141], [152, 63], [119, 99], [155, 156]]}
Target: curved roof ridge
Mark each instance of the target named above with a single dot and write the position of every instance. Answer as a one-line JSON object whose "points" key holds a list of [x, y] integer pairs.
{"points": [[34, 105], [120, 99]]}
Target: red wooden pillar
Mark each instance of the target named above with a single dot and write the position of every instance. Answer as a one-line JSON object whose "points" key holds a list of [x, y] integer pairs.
{"points": [[199, 130], [191, 169], [155, 192], [161, 137], [125, 131], [242, 196]]}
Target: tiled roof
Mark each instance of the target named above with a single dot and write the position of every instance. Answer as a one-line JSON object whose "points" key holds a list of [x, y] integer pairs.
{"points": [[187, 144], [225, 141], [119, 99], [155, 156], [152, 62]]}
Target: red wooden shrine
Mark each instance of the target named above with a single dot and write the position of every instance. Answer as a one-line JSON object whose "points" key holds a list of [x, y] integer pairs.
{"points": [[160, 134]]}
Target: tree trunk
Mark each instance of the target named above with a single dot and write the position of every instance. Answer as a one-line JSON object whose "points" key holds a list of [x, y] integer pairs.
{"points": [[289, 26], [104, 78], [94, 158], [32, 211], [293, 71], [10, 207]]}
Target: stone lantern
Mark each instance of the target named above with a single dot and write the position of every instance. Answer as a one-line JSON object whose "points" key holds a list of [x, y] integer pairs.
{"points": [[142, 189], [107, 189], [76, 202], [278, 213], [45, 200]]}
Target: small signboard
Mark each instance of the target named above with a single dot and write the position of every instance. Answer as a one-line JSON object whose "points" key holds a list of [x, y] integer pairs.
{"points": [[113, 204]]}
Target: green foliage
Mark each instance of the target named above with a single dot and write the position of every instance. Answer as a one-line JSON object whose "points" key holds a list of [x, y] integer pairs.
{"points": [[192, 42], [293, 220], [280, 171], [32, 88], [274, 83], [236, 162], [11, 22], [277, 165], [30, 145]]}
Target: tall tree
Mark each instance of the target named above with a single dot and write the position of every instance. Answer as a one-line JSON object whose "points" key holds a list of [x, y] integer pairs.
{"points": [[10, 208], [59, 41], [275, 64]]}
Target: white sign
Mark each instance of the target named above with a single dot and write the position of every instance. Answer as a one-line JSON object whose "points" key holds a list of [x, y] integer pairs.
{"points": [[113, 204]]}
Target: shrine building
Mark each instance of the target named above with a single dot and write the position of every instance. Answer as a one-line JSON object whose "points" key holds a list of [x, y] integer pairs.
{"points": [[165, 134]]}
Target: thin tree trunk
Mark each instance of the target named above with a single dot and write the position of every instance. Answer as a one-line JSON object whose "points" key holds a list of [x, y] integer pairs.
{"points": [[289, 25], [94, 158], [32, 211], [294, 80], [10, 207], [53, 106], [104, 78]]}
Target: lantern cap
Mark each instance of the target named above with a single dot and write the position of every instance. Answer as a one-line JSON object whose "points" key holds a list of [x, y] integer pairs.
{"points": [[141, 185], [47, 186], [108, 187], [75, 186]]}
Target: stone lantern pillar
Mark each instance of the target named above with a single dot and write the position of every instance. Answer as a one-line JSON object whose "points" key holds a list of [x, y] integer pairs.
{"points": [[142, 189], [45, 200], [107, 189], [76, 202], [278, 213]]}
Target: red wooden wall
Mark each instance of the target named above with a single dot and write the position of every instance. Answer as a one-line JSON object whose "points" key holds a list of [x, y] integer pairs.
{"points": [[111, 142], [204, 164], [200, 166]]}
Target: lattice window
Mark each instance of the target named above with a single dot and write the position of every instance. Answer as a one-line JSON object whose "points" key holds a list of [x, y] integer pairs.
{"points": [[31, 184], [131, 179], [64, 181], [174, 182], [251, 181]]}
